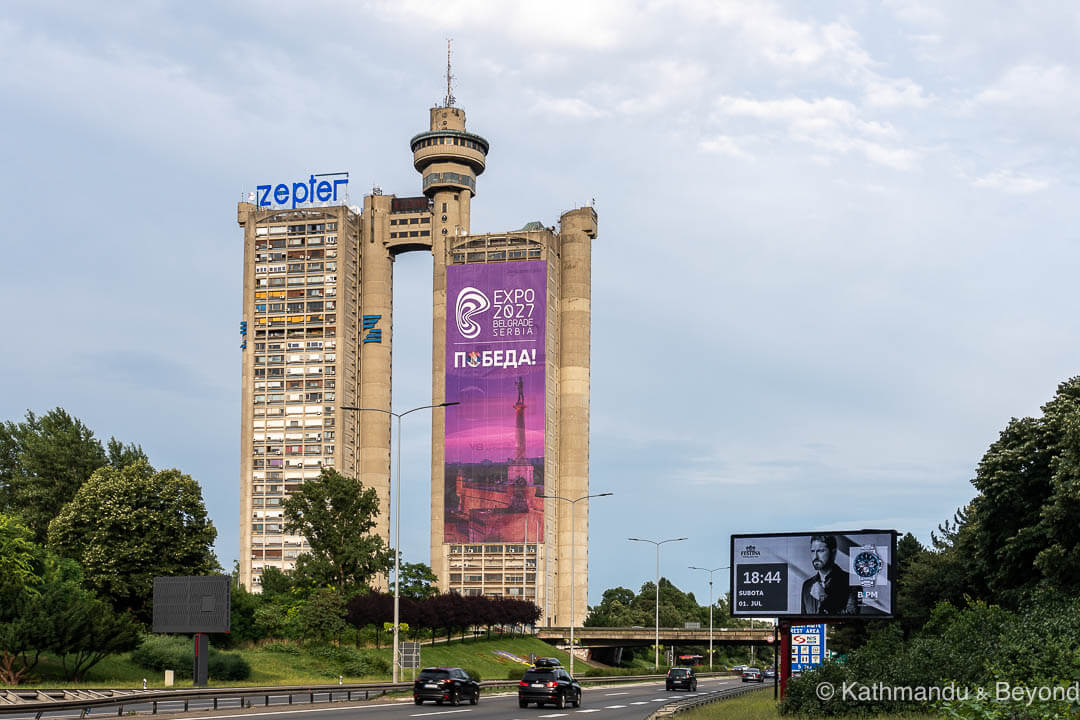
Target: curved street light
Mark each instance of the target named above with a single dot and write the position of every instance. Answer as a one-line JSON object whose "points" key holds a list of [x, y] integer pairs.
{"points": [[657, 543], [710, 571], [397, 518], [573, 502]]}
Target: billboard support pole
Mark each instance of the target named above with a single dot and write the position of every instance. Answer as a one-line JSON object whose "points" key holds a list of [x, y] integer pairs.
{"points": [[785, 650], [202, 667], [777, 640]]}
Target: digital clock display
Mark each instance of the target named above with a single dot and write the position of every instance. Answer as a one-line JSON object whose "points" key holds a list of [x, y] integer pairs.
{"points": [[761, 587]]}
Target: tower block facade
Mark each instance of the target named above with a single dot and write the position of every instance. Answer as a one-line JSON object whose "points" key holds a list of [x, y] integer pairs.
{"points": [[511, 331]]}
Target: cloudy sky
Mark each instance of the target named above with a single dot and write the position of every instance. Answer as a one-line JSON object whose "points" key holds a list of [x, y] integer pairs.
{"points": [[837, 249]]}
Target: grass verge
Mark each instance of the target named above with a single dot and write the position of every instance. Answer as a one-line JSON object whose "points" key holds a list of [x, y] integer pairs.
{"points": [[302, 668], [761, 706]]}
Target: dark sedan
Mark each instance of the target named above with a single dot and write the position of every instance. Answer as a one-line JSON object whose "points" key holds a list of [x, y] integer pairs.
{"points": [[681, 677], [548, 685], [445, 684]]}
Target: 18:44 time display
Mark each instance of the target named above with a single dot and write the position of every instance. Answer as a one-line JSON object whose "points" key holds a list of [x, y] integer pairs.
{"points": [[757, 578], [761, 588]]}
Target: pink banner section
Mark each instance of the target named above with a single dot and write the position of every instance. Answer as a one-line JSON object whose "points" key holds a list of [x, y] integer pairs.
{"points": [[494, 463]]}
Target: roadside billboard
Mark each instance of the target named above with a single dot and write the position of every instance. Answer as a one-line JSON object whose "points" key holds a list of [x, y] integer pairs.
{"points": [[833, 574], [494, 443]]}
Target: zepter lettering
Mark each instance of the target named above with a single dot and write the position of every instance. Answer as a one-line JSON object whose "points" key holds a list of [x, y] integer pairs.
{"points": [[315, 189]]}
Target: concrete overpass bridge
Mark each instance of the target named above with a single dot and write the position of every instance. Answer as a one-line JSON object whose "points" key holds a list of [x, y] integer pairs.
{"points": [[598, 637]]}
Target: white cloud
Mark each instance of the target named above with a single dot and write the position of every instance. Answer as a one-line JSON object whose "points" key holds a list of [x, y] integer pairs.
{"points": [[1008, 182], [827, 123], [722, 145], [568, 107], [594, 25], [895, 93], [667, 83], [1029, 86], [916, 12]]}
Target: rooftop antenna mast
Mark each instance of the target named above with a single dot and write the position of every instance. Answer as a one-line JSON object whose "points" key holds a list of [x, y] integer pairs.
{"points": [[449, 76]]}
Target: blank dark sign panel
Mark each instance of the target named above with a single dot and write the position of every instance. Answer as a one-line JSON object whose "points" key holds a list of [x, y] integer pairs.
{"points": [[192, 604]]}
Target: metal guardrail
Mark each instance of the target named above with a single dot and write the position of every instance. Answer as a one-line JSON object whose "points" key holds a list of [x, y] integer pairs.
{"points": [[42, 701], [678, 706]]}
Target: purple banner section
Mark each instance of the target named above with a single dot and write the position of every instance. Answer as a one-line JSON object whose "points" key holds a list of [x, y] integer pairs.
{"points": [[494, 462]]}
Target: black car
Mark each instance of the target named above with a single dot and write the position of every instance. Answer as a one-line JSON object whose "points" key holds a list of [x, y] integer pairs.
{"points": [[681, 677], [544, 685], [445, 684]]}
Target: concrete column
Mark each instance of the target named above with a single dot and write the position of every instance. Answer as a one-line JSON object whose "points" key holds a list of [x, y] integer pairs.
{"points": [[575, 319], [439, 558], [376, 298], [245, 216]]}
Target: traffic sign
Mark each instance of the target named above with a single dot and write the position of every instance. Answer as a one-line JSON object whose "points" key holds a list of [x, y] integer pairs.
{"points": [[807, 646], [410, 655]]}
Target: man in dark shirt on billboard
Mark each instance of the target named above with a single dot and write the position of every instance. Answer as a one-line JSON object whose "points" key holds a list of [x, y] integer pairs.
{"points": [[828, 591]]}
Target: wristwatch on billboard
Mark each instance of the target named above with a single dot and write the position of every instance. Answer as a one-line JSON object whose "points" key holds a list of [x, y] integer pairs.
{"points": [[867, 564]]}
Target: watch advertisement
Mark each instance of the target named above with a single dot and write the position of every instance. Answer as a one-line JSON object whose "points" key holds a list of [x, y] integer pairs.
{"points": [[835, 574]]}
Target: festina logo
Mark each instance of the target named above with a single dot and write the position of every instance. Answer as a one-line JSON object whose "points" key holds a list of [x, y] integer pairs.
{"points": [[750, 551]]}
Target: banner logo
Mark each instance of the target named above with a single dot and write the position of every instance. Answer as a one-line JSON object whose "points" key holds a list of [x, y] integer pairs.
{"points": [[470, 301]]}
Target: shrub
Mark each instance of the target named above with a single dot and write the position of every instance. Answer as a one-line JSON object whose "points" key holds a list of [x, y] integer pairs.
{"points": [[347, 661], [165, 652], [227, 666], [172, 652], [474, 674]]}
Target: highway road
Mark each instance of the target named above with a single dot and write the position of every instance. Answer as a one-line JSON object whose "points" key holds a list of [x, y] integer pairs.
{"points": [[607, 702]]}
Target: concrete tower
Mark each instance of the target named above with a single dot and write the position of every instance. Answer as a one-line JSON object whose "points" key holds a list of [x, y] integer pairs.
{"points": [[511, 346]]}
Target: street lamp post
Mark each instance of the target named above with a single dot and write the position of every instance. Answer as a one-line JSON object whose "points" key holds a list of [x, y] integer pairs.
{"points": [[710, 571], [573, 502], [657, 543], [397, 521]]}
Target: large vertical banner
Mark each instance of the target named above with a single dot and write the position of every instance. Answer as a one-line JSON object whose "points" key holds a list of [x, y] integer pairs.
{"points": [[494, 453]]}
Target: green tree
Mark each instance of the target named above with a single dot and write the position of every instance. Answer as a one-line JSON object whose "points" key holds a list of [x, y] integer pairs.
{"points": [[242, 607], [127, 525], [336, 515], [20, 580], [43, 462], [274, 582], [1025, 519], [615, 610], [17, 557], [418, 581], [121, 455], [54, 613], [270, 618], [77, 625], [319, 618]]}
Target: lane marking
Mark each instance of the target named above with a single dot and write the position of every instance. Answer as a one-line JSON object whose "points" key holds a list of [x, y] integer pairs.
{"points": [[590, 710], [640, 702], [611, 694], [440, 712], [614, 707], [284, 712], [553, 715]]}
